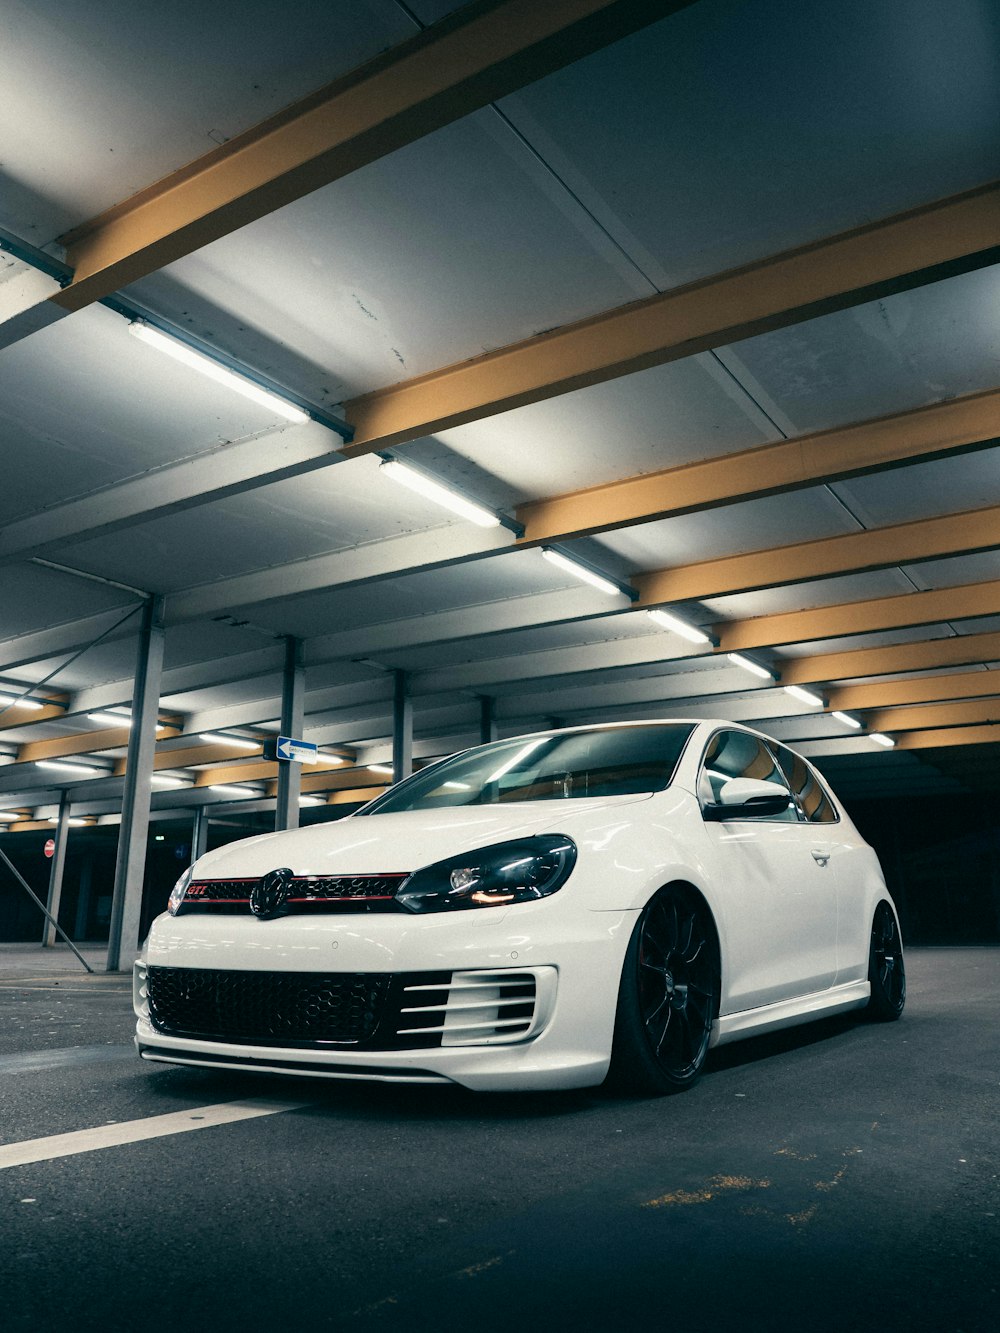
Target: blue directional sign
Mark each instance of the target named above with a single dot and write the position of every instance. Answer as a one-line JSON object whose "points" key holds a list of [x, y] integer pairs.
{"points": [[296, 752]]}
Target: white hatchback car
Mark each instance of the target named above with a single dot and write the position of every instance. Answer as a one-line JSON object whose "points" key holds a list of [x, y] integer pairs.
{"points": [[535, 913]]}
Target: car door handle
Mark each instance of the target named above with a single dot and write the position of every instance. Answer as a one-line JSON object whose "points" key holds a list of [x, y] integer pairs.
{"points": [[820, 857]]}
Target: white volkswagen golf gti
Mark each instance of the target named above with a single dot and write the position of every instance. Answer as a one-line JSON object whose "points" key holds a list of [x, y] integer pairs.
{"points": [[543, 912]]}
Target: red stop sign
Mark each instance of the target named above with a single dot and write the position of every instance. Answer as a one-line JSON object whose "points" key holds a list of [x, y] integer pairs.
{"points": [[50, 847]]}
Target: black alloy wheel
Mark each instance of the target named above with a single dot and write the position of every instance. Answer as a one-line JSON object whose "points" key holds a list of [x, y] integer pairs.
{"points": [[886, 972], [668, 998]]}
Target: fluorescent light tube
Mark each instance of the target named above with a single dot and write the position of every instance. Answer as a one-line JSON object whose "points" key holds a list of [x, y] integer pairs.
{"points": [[233, 791], [804, 696], [214, 370], [439, 493], [678, 626], [66, 768], [379, 768], [847, 720], [311, 800], [583, 572], [880, 739], [237, 742], [10, 817], [75, 823], [7, 699], [165, 780], [748, 664]]}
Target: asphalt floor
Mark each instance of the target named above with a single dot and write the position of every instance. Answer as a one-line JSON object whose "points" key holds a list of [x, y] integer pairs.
{"points": [[840, 1176]]}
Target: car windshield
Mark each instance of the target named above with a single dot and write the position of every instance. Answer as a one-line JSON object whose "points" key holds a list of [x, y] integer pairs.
{"points": [[605, 761]]}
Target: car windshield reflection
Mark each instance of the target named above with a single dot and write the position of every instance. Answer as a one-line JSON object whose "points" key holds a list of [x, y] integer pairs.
{"points": [[598, 762]]}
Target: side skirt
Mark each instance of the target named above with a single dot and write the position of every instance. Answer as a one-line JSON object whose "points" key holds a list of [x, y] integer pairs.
{"points": [[786, 1013]]}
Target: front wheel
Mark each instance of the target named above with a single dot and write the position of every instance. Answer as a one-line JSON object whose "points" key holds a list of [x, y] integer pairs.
{"points": [[668, 998], [886, 973]]}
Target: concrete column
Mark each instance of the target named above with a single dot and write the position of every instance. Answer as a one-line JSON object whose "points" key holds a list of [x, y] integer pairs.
{"points": [[126, 905], [83, 897], [487, 719], [199, 833], [286, 812], [402, 727], [57, 871]]}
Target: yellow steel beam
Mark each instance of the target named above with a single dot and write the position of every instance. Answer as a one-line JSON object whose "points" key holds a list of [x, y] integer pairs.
{"points": [[770, 469], [18, 716], [952, 534], [928, 655], [251, 772], [913, 690], [927, 717], [880, 613], [891, 255], [80, 742], [484, 51], [949, 736]]}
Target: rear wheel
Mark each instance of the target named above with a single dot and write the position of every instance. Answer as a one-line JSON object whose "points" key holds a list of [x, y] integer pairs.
{"points": [[886, 972], [668, 997]]}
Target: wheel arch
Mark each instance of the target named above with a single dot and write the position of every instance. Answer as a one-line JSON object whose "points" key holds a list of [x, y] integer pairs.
{"points": [[693, 891]]}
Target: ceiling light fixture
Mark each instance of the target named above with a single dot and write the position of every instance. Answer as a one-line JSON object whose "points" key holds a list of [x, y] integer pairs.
{"points": [[219, 738], [438, 492], [881, 739], [62, 767], [19, 701], [225, 790], [804, 696], [585, 573], [748, 664], [165, 780], [215, 370], [847, 720], [77, 823], [10, 816], [678, 626], [380, 768], [311, 800]]}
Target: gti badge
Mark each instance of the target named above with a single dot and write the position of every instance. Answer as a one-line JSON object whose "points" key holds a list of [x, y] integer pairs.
{"points": [[270, 893]]}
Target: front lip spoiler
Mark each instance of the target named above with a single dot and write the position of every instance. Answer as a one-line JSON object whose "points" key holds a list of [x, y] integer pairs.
{"points": [[378, 1073]]}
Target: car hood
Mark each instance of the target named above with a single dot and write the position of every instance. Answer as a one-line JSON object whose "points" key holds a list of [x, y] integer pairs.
{"points": [[393, 843]]}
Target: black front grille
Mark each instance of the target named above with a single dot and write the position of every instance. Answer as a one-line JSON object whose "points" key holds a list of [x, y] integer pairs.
{"points": [[306, 894], [267, 1008]]}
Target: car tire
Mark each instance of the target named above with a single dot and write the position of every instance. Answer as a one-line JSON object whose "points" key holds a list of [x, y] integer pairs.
{"points": [[668, 998], [886, 971]]}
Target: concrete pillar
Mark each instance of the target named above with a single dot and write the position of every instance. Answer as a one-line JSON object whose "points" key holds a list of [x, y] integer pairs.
{"points": [[402, 727], [487, 719], [199, 833], [286, 812], [57, 870], [126, 905], [83, 897]]}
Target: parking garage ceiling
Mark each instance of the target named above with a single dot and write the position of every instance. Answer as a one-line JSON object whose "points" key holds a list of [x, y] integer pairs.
{"points": [[703, 295]]}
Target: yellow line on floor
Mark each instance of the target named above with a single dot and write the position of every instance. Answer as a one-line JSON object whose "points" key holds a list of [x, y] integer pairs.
{"points": [[135, 1131]]}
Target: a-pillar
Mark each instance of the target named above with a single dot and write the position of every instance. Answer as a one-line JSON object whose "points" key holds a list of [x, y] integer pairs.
{"points": [[402, 727], [286, 812], [57, 871], [126, 904]]}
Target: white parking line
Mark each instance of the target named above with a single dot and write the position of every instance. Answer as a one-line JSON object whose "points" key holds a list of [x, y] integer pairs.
{"points": [[134, 1131]]}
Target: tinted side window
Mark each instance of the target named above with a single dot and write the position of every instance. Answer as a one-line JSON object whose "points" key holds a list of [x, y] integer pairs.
{"points": [[734, 754], [809, 792]]}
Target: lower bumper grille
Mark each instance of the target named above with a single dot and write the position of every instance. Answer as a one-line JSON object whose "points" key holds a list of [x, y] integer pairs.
{"points": [[362, 1010], [266, 1008]]}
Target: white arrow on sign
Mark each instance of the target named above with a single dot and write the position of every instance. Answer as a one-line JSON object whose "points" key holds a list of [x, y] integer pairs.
{"points": [[298, 752]]}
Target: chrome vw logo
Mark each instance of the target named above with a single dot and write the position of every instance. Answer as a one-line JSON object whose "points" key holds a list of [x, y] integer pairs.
{"points": [[269, 895]]}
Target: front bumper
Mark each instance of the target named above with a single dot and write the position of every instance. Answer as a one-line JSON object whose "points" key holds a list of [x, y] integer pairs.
{"points": [[574, 961]]}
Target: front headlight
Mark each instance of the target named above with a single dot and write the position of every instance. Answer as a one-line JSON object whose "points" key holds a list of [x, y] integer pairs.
{"points": [[178, 891], [507, 872]]}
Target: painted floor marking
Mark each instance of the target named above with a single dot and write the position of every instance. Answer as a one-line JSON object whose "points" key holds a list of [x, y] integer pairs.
{"points": [[135, 1131]]}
